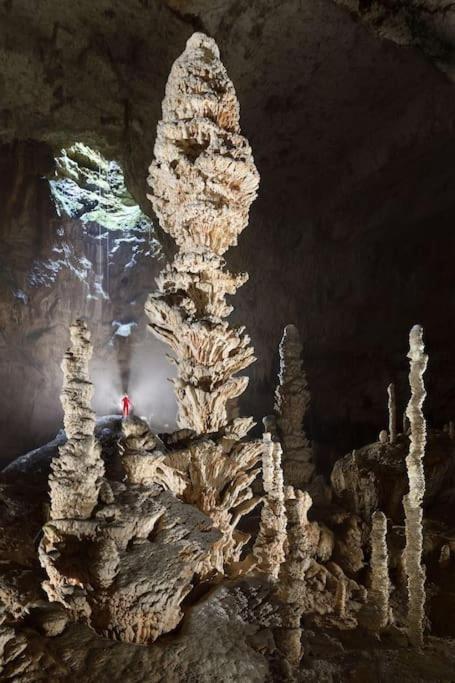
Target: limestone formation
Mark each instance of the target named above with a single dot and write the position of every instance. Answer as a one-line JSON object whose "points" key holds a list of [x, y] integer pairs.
{"points": [[374, 477], [292, 399], [413, 500], [376, 613], [203, 180], [392, 405], [292, 584], [341, 598], [101, 563], [143, 462], [219, 484], [76, 473], [127, 570], [270, 542]]}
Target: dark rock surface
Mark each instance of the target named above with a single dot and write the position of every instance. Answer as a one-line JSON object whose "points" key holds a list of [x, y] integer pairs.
{"points": [[351, 237], [427, 24], [375, 478]]}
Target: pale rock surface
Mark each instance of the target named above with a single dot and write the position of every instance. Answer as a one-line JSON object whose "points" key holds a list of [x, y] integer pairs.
{"points": [[375, 615], [142, 462], [413, 501], [225, 637], [219, 484], [143, 551], [269, 547], [203, 181], [374, 477], [292, 581], [76, 474]]}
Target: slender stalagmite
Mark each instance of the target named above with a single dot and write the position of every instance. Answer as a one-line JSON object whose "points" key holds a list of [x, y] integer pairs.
{"points": [[269, 546], [413, 500], [392, 413], [292, 399], [291, 587], [378, 594], [76, 473]]}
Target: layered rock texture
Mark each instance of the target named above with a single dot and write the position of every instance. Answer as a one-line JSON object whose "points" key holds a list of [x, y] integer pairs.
{"points": [[203, 181], [292, 399], [413, 501], [269, 547], [76, 474], [102, 565]]}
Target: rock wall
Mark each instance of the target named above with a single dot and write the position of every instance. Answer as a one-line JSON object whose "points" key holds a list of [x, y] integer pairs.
{"points": [[354, 145], [53, 269]]}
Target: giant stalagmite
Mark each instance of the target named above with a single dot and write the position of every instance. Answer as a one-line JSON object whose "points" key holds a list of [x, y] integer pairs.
{"points": [[203, 181]]}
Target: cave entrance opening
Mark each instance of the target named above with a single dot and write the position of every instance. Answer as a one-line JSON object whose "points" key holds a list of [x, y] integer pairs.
{"points": [[103, 226]]}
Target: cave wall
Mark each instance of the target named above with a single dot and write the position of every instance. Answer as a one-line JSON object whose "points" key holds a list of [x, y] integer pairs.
{"points": [[351, 237], [53, 269]]}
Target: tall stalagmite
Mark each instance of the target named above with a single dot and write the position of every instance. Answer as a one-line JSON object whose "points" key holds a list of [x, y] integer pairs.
{"points": [[292, 399], [76, 474], [203, 181], [413, 500], [270, 542], [377, 608], [291, 588]]}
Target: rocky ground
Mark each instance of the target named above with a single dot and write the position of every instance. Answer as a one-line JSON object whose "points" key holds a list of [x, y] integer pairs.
{"points": [[227, 633]]}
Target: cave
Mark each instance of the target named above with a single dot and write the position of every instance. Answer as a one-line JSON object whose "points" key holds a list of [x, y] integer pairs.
{"points": [[313, 540]]}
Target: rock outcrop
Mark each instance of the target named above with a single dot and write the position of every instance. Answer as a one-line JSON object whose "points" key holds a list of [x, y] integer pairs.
{"points": [[374, 477], [120, 557]]}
